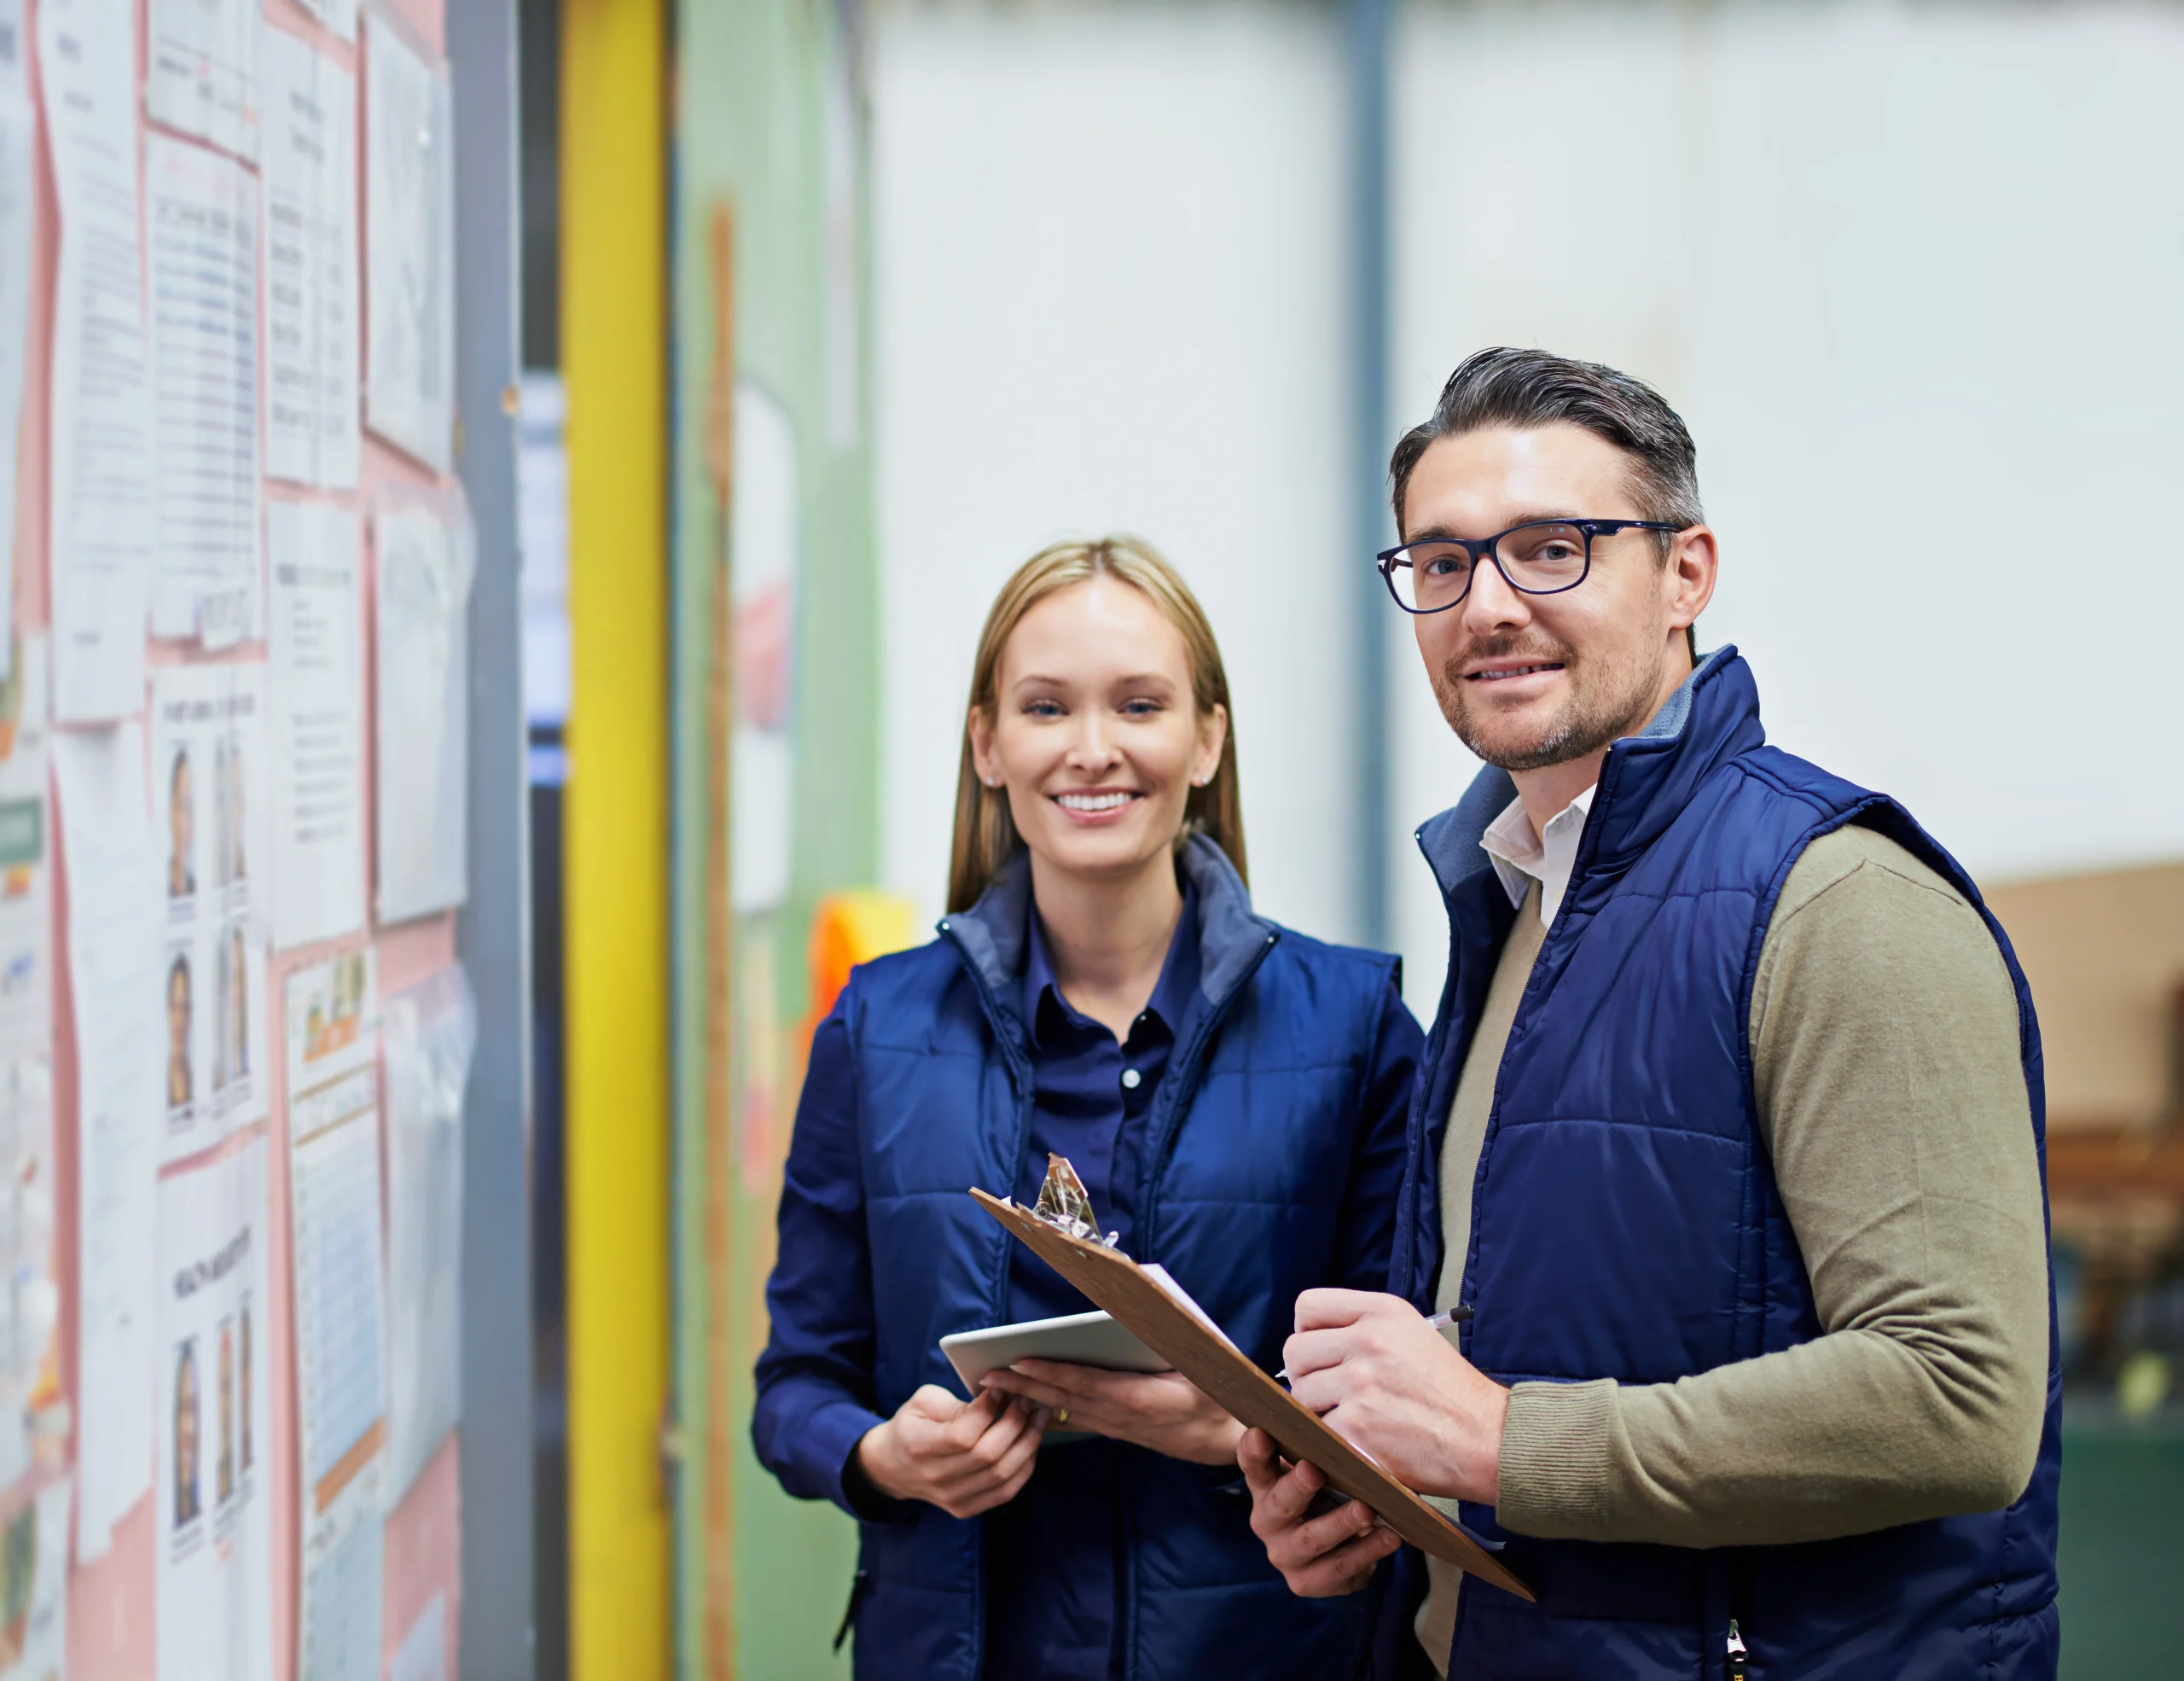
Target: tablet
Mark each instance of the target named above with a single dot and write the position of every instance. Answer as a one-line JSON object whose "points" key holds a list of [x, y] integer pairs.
{"points": [[1081, 1339]]}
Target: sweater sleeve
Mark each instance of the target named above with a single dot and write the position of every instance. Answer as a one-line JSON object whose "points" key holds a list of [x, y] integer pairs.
{"points": [[1884, 1045], [815, 1386]]}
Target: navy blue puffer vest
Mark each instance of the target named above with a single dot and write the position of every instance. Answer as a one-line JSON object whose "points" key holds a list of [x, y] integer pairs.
{"points": [[1274, 1151], [1626, 1223]]}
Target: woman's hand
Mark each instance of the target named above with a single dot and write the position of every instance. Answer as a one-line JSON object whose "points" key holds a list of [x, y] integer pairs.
{"points": [[1164, 1410], [963, 1457]]}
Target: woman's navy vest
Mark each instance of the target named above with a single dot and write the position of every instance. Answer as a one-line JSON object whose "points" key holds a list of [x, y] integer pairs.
{"points": [[1625, 1221], [1259, 1140]]}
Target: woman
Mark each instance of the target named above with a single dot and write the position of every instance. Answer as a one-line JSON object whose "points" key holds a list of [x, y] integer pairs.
{"points": [[1232, 1094]]}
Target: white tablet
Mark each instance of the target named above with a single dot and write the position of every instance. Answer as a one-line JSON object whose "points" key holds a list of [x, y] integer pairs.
{"points": [[1081, 1339]]}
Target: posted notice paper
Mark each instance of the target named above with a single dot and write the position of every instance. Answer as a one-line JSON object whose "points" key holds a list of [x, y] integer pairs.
{"points": [[101, 473], [317, 687], [209, 801], [409, 248], [34, 1637], [337, 1210], [202, 231], [338, 15], [312, 297], [18, 146], [426, 552], [214, 1524], [29, 1298], [203, 74], [428, 1033], [113, 924]]}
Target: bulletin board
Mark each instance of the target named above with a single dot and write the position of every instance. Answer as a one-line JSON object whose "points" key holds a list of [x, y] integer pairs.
{"points": [[236, 1033]]}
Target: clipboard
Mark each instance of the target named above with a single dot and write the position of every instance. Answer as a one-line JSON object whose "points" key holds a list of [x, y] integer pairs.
{"points": [[1196, 1347]]}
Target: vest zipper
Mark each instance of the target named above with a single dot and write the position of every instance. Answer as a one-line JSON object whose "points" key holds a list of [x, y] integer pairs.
{"points": [[858, 1584], [1736, 1652]]}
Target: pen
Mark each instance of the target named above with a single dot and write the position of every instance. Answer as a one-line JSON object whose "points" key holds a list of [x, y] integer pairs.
{"points": [[1439, 1321]]}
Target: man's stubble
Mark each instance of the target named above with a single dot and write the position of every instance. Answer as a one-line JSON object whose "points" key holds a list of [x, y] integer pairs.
{"points": [[1604, 706]]}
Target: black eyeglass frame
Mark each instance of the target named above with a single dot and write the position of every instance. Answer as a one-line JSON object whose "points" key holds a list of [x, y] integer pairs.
{"points": [[1487, 548]]}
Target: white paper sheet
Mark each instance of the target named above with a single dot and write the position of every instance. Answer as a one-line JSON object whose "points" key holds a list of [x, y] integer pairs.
{"points": [[101, 425], [338, 15], [202, 228], [422, 1655], [18, 137], [113, 923], [312, 355], [426, 551], [767, 547], [315, 645], [30, 1299], [32, 1647], [215, 1492], [203, 74], [410, 245], [334, 1156], [209, 800], [428, 1033], [338, 1631]]}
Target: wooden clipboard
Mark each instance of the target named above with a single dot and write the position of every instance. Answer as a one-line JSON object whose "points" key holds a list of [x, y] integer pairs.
{"points": [[1114, 1282]]}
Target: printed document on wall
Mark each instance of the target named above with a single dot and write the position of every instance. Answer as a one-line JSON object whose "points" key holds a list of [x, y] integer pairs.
{"points": [[203, 76], [338, 15], [767, 548], [36, 1545], [315, 646], [114, 925], [426, 550], [100, 496], [310, 265], [429, 1033], [214, 1526], [422, 1655], [30, 1299], [202, 231], [410, 245], [208, 804], [18, 183], [335, 1208]]}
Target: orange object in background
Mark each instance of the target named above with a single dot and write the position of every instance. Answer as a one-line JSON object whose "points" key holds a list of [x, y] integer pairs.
{"points": [[848, 929]]}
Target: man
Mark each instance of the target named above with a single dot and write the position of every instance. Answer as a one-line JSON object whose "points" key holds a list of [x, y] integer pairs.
{"points": [[1729, 1132]]}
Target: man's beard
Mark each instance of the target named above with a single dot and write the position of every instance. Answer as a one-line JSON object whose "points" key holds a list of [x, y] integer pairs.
{"points": [[1604, 705]]}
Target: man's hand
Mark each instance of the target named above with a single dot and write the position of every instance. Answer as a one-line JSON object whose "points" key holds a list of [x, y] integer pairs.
{"points": [[1164, 1410], [1391, 1385], [963, 1457], [1322, 1557]]}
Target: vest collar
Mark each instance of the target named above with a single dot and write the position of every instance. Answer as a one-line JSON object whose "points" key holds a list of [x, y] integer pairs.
{"points": [[1648, 778], [1231, 937]]}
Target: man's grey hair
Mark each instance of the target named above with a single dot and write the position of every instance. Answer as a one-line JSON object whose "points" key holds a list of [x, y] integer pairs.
{"points": [[1526, 388]]}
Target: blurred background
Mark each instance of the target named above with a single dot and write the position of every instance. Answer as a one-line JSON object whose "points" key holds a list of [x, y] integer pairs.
{"points": [[834, 313]]}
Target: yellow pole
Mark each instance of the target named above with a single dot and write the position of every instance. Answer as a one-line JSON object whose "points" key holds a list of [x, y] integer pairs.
{"points": [[613, 357]]}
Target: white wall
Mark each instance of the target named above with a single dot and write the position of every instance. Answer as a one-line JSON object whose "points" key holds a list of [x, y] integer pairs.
{"points": [[1912, 274], [1111, 296], [1915, 277]]}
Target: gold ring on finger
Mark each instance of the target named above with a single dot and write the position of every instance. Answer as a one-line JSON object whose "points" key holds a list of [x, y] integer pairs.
{"points": [[1062, 1417]]}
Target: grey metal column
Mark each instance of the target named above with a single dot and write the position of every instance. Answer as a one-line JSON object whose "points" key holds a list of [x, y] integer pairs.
{"points": [[493, 936], [1368, 24]]}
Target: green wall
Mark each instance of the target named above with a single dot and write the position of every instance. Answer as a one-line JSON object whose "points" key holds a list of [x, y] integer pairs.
{"points": [[751, 130]]}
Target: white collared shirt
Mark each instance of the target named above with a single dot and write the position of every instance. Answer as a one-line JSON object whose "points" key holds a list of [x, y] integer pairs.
{"points": [[1521, 857]]}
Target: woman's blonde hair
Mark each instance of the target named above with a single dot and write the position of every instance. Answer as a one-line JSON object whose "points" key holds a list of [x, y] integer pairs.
{"points": [[985, 835]]}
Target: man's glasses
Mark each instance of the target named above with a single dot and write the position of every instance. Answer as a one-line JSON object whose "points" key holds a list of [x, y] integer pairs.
{"points": [[1542, 558]]}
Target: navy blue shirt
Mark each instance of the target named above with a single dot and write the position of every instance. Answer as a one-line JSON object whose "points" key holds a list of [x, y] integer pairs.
{"points": [[1054, 1546]]}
